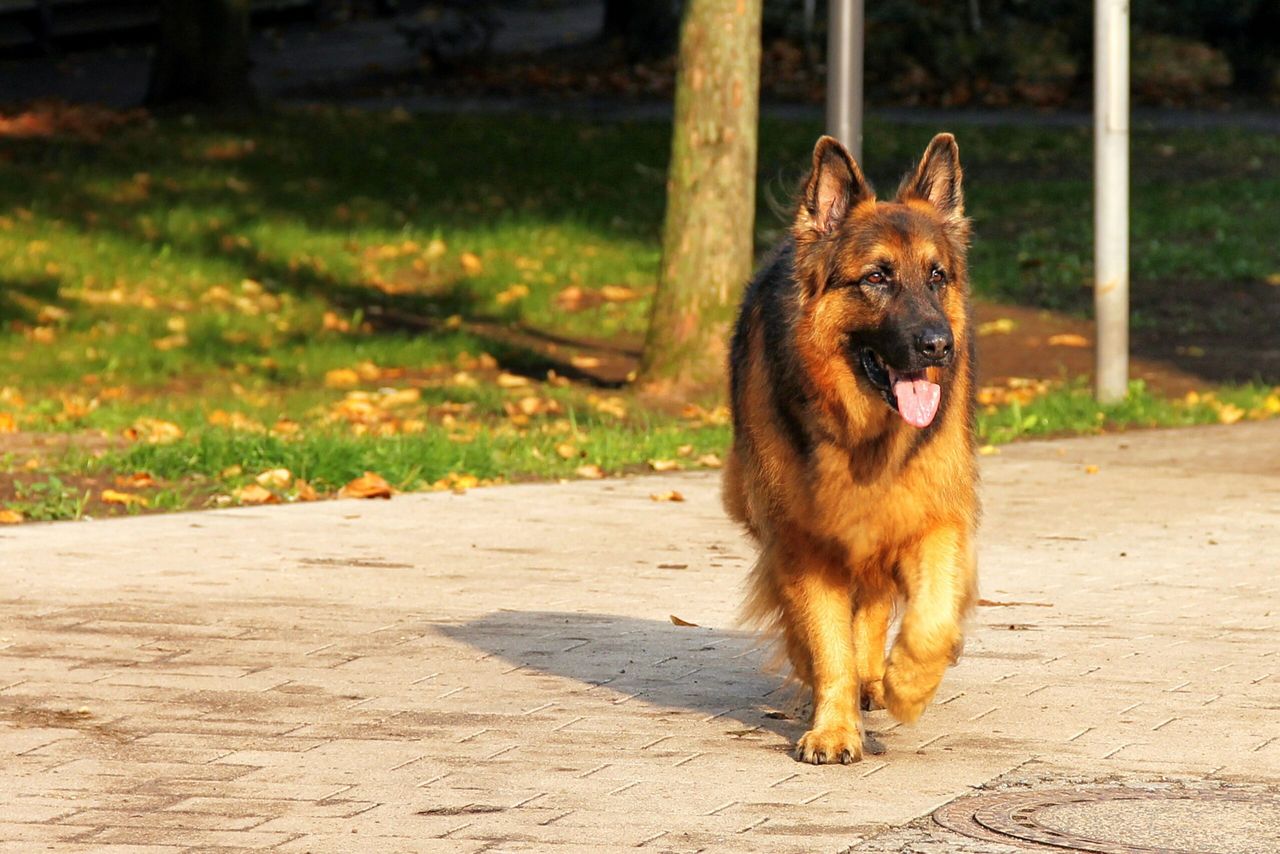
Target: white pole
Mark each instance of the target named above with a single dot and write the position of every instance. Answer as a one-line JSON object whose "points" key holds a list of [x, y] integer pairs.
{"points": [[1111, 197], [844, 74]]}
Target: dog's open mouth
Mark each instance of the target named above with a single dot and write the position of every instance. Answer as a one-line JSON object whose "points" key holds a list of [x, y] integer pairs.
{"points": [[914, 397]]}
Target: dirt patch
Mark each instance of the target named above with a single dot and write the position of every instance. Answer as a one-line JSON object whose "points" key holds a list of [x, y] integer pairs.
{"points": [[27, 444], [29, 717]]}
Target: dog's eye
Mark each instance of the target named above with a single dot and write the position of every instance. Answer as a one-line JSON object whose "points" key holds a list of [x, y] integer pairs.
{"points": [[937, 277], [875, 278]]}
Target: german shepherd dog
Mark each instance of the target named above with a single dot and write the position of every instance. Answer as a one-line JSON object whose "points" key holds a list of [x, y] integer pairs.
{"points": [[853, 456]]}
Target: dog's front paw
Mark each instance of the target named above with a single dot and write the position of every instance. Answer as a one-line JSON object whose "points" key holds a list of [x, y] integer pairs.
{"points": [[908, 687], [829, 745]]}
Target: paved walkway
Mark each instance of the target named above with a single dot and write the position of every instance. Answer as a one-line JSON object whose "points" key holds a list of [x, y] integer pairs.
{"points": [[498, 671]]}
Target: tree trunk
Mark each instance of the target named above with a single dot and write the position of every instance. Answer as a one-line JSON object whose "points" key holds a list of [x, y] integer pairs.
{"points": [[707, 238], [202, 54]]}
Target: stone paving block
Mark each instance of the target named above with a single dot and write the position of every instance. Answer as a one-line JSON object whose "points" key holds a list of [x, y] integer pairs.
{"points": [[416, 671], [346, 843], [189, 837]]}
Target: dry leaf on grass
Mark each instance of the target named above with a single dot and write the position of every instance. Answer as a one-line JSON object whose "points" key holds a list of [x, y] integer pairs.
{"points": [[670, 495], [676, 621], [11, 517], [124, 499], [506, 380], [663, 465], [255, 494], [590, 471], [153, 430], [711, 461], [341, 378], [471, 263], [617, 293], [566, 451], [275, 478], [511, 294], [137, 480], [8, 424], [1229, 413], [303, 491], [368, 485]]}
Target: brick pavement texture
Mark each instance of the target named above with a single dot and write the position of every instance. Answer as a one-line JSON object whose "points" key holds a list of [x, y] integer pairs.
{"points": [[498, 671]]}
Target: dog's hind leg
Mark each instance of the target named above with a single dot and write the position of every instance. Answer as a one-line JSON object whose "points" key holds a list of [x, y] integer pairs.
{"points": [[818, 620], [871, 618], [939, 577]]}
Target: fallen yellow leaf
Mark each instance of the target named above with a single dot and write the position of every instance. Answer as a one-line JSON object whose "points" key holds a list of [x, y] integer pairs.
{"points": [[1068, 339], [1002, 326], [670, 495], [8, 424], [341, 378], [304, 491], [11, 517], [506, 380], [124, 499], [153, 430], [570, 299], [663, 465], [617, 293], [584, 363], [275, 478], [711, 461], [1091, 469], [368, 485], [590, 471], [988, 450], [676, 621], [471, 263], [137, 480], [566, 451], [1230, 414], [255, 494], [511, 294]]}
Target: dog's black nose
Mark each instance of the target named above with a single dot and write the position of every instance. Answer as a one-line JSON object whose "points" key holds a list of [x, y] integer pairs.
{"points": [[935, 344]]}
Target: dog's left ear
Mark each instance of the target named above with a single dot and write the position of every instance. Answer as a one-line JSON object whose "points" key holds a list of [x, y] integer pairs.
{"points": [[937, 178]]}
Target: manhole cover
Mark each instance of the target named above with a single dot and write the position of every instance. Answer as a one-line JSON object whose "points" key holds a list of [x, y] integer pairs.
{"points": [[1121, 820]]}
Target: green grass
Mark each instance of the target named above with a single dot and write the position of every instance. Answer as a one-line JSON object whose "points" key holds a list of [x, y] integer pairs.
{"points": [[186, 266]]}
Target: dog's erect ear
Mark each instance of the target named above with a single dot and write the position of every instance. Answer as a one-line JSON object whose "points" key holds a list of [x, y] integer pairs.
{"points": [[834, 187], [937, 178]]}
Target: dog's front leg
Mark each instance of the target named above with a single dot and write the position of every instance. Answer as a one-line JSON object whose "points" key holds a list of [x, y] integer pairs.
{"points": [[816, 601], [939, 577]]}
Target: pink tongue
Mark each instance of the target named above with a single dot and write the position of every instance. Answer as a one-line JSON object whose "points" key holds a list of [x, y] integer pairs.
{"points": [[917, 400]]}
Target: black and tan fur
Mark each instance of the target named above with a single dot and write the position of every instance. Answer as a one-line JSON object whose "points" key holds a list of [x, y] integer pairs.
{"points": [[857, 512]]}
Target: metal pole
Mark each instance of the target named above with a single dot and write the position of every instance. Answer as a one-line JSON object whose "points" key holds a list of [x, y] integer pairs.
{"points": [[1111, 197], [844, 74]]}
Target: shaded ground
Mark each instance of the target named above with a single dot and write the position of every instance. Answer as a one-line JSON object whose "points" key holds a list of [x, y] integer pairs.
{"points": [[1190, 336]]}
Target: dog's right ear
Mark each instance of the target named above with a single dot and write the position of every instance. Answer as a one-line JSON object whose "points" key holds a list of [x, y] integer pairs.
{"points": [[834, 188]]}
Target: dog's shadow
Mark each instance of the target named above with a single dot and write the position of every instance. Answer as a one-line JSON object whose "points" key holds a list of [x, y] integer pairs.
{"points": [[716, 673]]}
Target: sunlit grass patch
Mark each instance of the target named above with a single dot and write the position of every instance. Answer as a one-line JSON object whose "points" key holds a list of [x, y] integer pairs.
{"points": [[329, 292]]}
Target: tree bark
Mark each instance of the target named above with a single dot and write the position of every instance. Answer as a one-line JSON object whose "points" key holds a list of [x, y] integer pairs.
{"points": [[202, 54], [707, 238]]}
